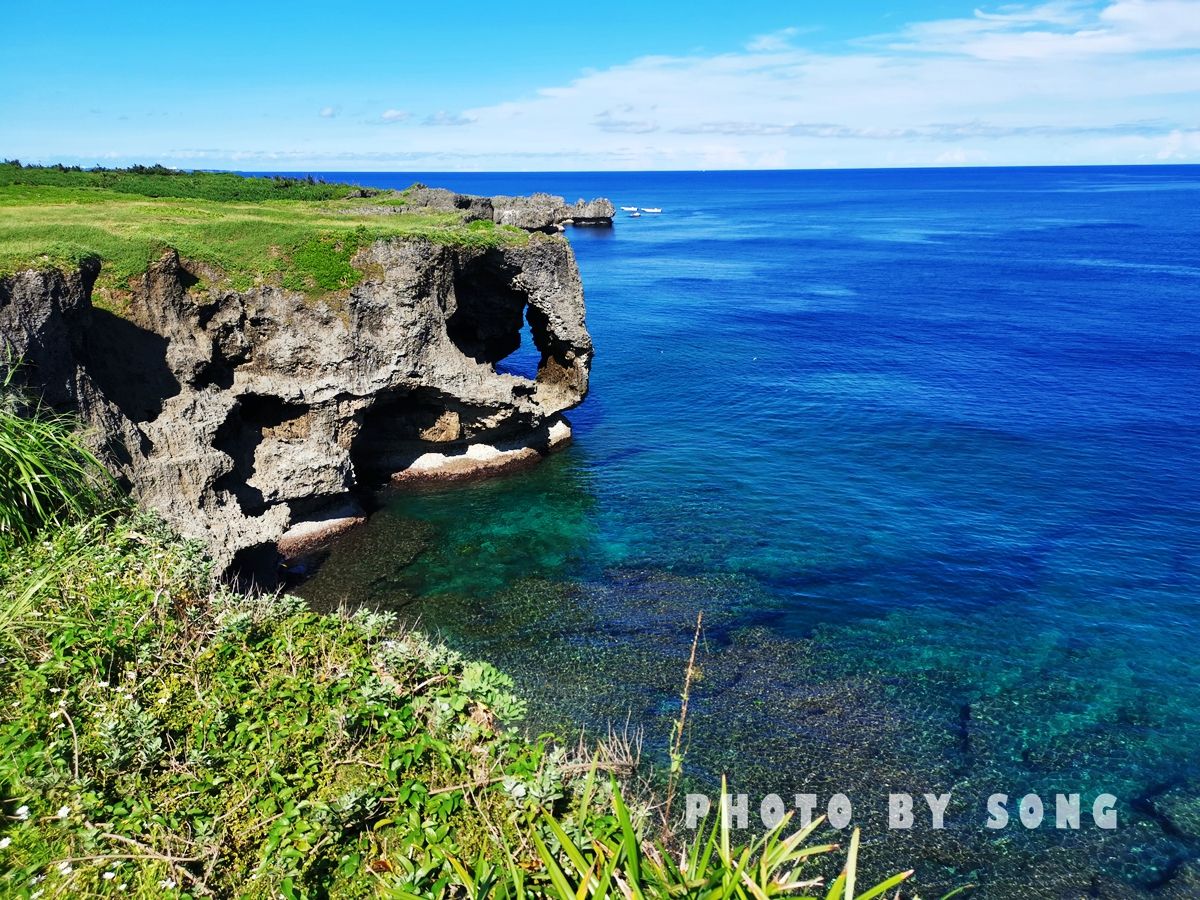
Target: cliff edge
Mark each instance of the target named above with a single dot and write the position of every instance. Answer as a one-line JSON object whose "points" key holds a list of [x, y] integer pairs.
{"points": [[249, 418]]}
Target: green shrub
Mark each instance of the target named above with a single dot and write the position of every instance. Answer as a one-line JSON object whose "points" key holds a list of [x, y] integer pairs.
{"points": [[159, 181], [239, 745]]}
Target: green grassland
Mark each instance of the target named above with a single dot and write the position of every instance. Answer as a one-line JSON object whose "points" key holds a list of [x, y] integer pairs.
{"points": [[297, 234]]}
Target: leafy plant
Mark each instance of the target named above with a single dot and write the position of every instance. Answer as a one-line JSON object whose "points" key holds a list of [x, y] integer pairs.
{"points": [[621, 863], [48, 476]]}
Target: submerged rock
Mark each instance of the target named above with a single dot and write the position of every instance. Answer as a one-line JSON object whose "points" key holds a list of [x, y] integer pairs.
{"points": [[248, 419]]}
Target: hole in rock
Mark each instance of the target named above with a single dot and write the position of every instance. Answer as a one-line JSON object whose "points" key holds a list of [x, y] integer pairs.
{"points": [[486, 324], [256, 567], [255, 418], [523, 361], [391, 429], [402, 425]]}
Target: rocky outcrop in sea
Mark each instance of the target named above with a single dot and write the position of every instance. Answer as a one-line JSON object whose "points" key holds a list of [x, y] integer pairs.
{"points": [[538, 212], [252, 419]]}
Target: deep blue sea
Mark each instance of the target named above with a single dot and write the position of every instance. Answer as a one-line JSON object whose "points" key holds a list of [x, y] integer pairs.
{"points": [[924, 447]]}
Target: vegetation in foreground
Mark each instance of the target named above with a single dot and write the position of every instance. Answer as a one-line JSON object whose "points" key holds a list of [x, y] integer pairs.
{"points": [[299, 234], [161, 737]]}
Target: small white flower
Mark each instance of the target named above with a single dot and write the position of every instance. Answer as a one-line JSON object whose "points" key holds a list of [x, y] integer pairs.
{"points": [[35, 894], [162, 701], [64, 811], [56, 690], [109, 876], [4, 842], [128, 696], [122, 886], [23, 813], [167, 883], [102, 683], [65, 868], [131, 674]]}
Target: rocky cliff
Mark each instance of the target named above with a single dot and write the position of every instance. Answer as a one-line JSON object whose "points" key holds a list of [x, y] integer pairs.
{"points": [[538, 212], [251, 419]]}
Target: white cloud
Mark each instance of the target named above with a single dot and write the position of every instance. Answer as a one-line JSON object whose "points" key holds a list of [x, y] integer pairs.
{"points": [[327, 112], [623, 119], [1062, 29], [441, 118], [1180, 146], [773, 42], [960, 156], [889, 101], [395, 115]]}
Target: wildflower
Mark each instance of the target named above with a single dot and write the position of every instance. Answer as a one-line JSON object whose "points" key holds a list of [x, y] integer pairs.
{"points": [[167, 883], [102, 683], [64, 811], [4, 842], [131, 674], [109, 876], [65, 868], [35, 894], [56, 690], [23, 813]]}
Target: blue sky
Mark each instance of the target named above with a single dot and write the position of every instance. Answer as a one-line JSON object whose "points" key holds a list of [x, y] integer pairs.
{"points": [[613, 85]]}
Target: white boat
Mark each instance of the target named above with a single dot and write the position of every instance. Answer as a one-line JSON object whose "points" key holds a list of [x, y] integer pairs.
{"points": [[635, 215], [651, 209], [628, 209]]}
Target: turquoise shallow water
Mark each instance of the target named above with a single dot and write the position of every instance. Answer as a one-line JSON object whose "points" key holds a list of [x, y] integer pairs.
{"points": [[923, 448]]}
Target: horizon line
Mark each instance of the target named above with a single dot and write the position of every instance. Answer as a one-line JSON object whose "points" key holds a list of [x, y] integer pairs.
{"points": [[937, 168]]}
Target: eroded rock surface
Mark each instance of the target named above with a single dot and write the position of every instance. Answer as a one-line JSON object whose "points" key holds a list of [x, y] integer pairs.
{"points": [[249, 418], [539, 212]]}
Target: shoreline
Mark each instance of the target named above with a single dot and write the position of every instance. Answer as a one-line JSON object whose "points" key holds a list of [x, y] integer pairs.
{"points": [[430, 471]]}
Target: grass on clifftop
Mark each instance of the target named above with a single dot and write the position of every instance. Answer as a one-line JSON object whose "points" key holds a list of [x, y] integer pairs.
{"points": [[293, 233]]}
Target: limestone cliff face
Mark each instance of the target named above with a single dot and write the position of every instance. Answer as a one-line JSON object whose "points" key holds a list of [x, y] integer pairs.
{"points": [[249, 418], [537, 212]]}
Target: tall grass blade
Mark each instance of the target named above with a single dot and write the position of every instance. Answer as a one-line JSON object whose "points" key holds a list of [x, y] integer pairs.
{"points": [[885, 886], [629, 841], [852, 864]]}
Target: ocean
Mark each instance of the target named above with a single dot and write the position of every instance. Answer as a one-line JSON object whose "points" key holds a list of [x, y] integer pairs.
{"points": [[922, 446]]}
